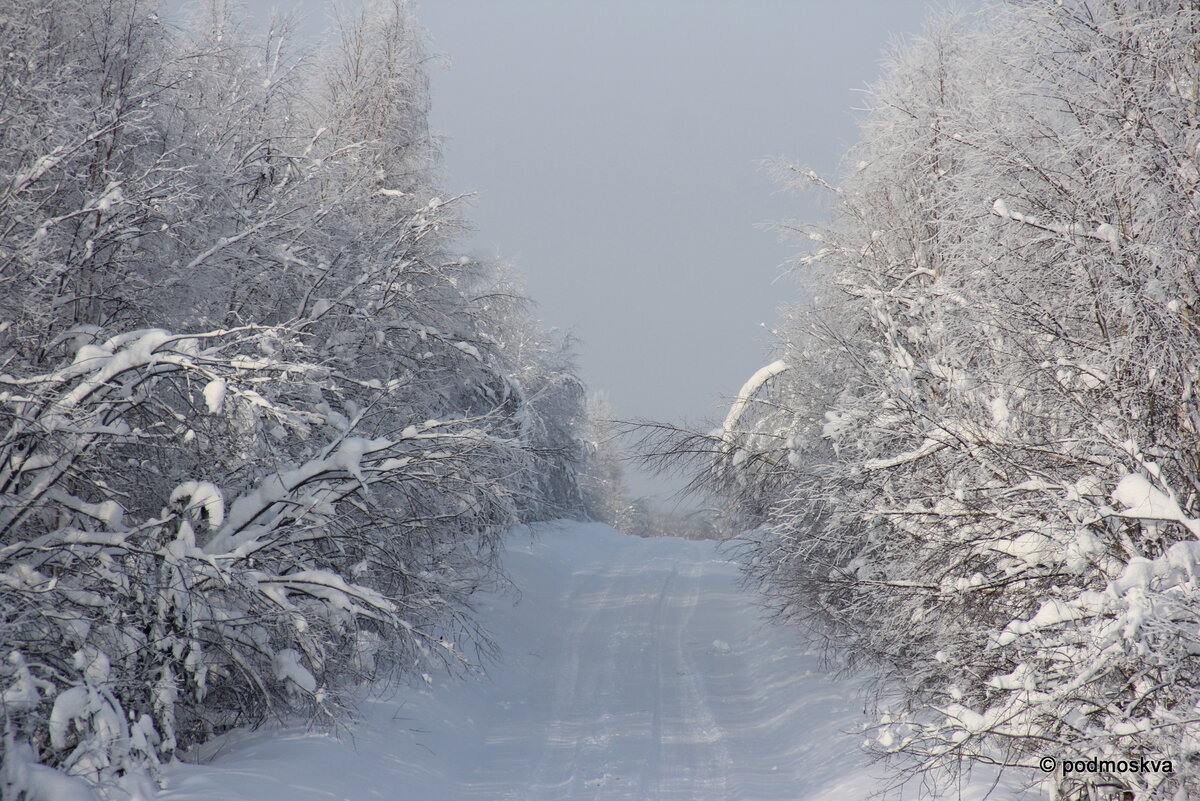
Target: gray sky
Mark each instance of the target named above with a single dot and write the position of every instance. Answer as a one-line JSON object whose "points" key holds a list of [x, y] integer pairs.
{"points": [[616, 149]]}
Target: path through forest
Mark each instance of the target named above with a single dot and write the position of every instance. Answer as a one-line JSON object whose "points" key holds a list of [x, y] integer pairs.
{"points": [[633, 669]]}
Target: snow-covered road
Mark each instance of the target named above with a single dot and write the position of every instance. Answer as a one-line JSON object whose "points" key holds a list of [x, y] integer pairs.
{"points": [[634, 669], [643, 673]]}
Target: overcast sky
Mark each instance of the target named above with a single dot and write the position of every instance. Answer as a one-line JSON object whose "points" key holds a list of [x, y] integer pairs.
{"points": [[615, 147]]}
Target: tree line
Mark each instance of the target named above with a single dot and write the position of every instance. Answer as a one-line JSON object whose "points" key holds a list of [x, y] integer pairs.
{"points": [[974, 470], [262, 425]]}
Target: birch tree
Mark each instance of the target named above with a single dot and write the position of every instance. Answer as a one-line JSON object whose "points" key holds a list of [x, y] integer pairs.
{"points": [[262, 427], [992, 485]]}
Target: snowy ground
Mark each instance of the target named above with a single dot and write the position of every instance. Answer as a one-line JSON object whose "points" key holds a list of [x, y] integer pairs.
{"points": [[634, 669]]}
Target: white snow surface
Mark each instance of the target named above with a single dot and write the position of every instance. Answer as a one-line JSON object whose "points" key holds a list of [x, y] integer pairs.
{"points": [[632, 669], [1143, 501], [214, 395]]}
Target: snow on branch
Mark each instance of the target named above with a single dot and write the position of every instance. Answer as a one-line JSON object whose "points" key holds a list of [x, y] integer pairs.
{"points": [[81, 540], [746, 395], [929, 447], [1103, 232], [1143, 501]]}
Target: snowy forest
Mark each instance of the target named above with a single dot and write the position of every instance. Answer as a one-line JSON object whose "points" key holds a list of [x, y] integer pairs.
{"points": [[261, 426], [973, 470], [265, 431]]}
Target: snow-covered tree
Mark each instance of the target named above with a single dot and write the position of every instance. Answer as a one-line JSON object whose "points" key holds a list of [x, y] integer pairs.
{"points": [[261, 428], [991, 486], [602, 475]]}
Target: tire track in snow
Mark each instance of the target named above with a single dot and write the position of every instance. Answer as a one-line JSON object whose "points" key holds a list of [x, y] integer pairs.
{"points": [[652, 775], [710, 766], [558, 738]]}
